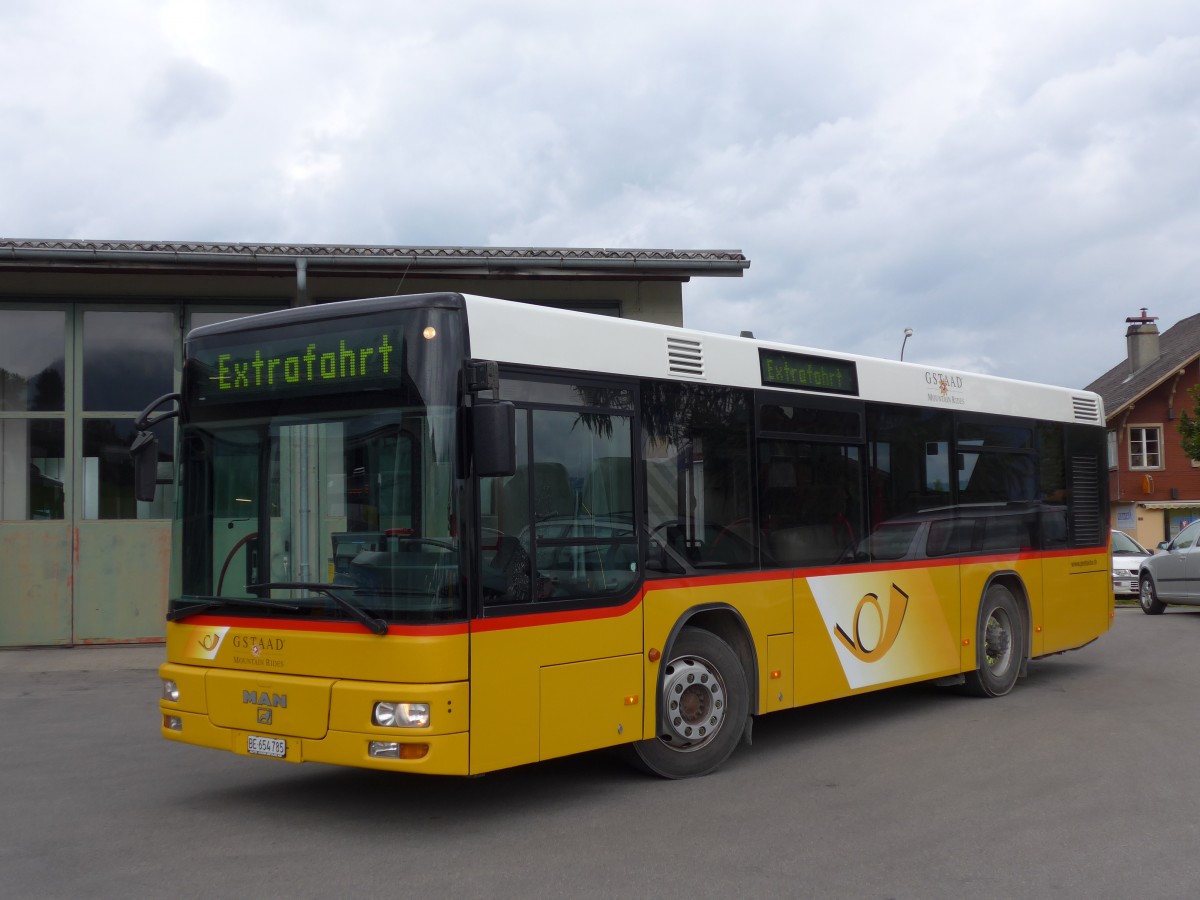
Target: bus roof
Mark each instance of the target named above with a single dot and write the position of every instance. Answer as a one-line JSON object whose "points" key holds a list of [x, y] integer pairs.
{"points": [[532, 335]]}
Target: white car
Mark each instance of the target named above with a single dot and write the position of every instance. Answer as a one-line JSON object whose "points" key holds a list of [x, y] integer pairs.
{"points": [[1127, 556]]}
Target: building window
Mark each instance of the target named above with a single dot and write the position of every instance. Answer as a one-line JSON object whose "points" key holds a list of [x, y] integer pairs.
{"points": [[129, 359], [1144, 447], [32, 403], [1112, 449]]}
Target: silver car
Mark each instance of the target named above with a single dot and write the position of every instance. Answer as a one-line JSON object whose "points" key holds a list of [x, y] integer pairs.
{"points": [[1173, 574], [1127, 557]]}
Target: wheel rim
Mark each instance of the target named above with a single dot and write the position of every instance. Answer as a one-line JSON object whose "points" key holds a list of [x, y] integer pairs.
{"points": [[694, 696], [1145, 594], [998, 642]]}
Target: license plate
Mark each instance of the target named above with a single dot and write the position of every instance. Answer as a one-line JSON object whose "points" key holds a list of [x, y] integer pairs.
{"points": [[266, 746]]}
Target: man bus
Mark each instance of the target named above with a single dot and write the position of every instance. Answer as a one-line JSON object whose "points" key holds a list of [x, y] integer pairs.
{"points": [[452, 534]]}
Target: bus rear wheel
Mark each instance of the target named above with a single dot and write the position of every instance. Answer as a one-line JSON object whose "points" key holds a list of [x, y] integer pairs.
{"points": [[702, 708], [1000, 644]]}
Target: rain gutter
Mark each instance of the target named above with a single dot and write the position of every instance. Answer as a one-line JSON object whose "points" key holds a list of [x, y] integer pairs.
{"points": [[730, 266]]}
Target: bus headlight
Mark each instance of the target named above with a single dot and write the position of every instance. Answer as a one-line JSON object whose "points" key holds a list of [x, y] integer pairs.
{"points": [[401, 715], [170, 691]]}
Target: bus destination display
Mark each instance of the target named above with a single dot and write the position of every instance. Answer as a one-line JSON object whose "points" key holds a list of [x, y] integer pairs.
{"points": [[809, 373], [343, 361]]}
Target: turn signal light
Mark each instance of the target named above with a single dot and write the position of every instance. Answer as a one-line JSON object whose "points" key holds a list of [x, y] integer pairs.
{"points": [[394, 750]]}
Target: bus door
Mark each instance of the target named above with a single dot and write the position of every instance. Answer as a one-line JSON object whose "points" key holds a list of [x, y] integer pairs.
{"points": [[556, 658]]}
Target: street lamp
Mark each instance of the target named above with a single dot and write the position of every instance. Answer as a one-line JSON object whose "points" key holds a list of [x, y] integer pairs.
{"points": [[907, 335]]}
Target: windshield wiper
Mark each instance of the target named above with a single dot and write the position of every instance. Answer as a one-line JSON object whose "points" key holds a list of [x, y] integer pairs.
{"points": [[203, 603], [374, 625]]}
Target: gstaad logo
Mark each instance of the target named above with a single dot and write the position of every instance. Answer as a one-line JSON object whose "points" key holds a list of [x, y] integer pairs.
{"points": [[944, 383], [255, 644], [874, 632]]}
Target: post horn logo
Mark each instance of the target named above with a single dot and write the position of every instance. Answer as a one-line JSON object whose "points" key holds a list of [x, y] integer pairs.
{"points": [[209, 641], [867, 647]]}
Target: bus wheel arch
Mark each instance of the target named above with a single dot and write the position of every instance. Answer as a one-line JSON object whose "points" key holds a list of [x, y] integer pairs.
{"points": [[1002, 637], [702, 697]]}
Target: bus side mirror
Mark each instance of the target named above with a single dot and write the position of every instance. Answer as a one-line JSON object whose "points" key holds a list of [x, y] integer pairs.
{"points": [[494, 438], [144, 451]]}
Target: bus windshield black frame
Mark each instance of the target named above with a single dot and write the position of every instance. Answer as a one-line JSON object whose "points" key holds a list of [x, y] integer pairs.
{"points": [[318, 456]]}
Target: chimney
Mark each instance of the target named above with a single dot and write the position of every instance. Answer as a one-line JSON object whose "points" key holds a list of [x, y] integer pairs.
{"points": [[1141, 339]]}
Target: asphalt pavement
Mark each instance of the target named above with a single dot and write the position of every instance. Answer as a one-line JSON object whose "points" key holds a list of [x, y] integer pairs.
{"points": [[1076, 785], [89, 658]]}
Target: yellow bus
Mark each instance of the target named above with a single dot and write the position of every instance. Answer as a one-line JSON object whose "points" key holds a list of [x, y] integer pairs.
{"points": [[451, 534]]}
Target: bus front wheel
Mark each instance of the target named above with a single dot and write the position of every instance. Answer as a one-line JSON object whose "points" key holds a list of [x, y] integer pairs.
{"points": [[1000, 644], [703, 708]]}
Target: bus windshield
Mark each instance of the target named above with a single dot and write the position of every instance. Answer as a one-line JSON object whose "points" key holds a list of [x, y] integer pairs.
{"points": [[328, 505]]}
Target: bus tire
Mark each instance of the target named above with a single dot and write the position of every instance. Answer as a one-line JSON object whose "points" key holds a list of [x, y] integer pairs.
{"points": [[703, 708], [1148, 597], [999, 643]]}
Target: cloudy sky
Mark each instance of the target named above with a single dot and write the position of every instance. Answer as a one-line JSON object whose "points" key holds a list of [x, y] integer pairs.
{"points": [[1009, 179]]}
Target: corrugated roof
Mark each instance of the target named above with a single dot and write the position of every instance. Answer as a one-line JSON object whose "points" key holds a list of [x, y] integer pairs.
{"points": [[1178, 346], [684, 262]]}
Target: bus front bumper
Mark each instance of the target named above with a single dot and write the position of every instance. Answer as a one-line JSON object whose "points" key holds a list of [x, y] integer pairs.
{"points": [[330, 721]]}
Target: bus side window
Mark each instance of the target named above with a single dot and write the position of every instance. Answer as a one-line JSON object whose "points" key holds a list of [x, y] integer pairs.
{"points": [[811, 502], [562, 525], [697, 442], [908, 462]]}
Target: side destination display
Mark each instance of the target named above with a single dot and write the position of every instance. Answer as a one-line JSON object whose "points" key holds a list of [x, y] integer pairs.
{"points": [[351, 360], [808, 373]]}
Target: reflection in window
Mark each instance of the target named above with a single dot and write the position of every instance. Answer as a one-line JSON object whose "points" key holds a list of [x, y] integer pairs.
{"points": [[128, 359], [562, 526], [698, 477], [811, 502], [523, 390], [31, 469], [996, 477], [908, 461], [32, 350], [108, 471]]}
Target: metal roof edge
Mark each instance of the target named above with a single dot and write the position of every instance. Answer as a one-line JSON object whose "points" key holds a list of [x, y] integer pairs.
{"points": [[699, 262]]}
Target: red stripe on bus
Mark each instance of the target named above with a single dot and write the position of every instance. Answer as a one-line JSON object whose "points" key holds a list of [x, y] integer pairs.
{"points": [[530, 620], [692, 581]]}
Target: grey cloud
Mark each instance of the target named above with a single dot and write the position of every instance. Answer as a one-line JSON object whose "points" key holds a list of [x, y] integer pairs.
{"points": [[185, 92]]}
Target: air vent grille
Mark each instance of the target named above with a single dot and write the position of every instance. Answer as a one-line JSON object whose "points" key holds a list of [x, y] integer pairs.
{"points": [[1087, 409], [685, 357], [1086, 513]]}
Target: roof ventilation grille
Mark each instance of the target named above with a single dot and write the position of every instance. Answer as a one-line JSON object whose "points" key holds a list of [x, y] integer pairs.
{"points": [[1087, 409], [685, 357]]}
